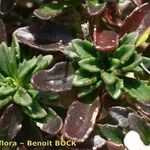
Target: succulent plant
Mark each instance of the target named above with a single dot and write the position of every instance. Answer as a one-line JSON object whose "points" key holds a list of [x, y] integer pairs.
{"points": [[81, 73]]}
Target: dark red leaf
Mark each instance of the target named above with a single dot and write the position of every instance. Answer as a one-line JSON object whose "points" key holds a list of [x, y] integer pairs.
{"points": [[57, 79], [112, 15], [138, 20], [10, 123], [105, 41], [53, 124], [7, 5], [114, 146], [144, 107], [80, 120], [94, 142], [139, 2], [46, 37], [3, 36]]}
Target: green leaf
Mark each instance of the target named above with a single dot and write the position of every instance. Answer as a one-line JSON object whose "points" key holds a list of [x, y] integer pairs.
{"points": [[8, 62], [137, 89], [4, 102], [26, 68], [112, 133], [6, 90], [2, 78], [52, 10], [83, 79], [124, 52], [49, 11], [42, 62], [88, 89], [146, 62], [83, 48], [35, 111], [108, 78], [115, 89], [133, 62], [22, 97], [16, 48], [129, 39], [71, 53], [51, 124], [90, 64]]}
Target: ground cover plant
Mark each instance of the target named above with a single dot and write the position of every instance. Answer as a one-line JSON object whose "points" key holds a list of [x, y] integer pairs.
{"points": [[75, 71]]}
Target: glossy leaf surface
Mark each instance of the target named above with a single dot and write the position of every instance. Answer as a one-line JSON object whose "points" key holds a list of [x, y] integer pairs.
{"points": [[137, 20], [80, 120], [47, 37], [10, 122], [105, 41], [57, 79], [51, 124]]}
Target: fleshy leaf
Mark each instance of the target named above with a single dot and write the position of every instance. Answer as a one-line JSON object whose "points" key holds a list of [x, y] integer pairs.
{"points": [[115, 89], [22, 97], [10, 122], [8, 60], [135, 21], [59, 78], [94, 7], [4, 102], [114, 146], [49, 11], [51, 124], [7, 5], [80, 120], [35, 111], [42, 62], [25, 69], [95, 141], [105, 41], [90, 64], [45, 37], [16, 48], [112, 15], [129, 39], [53, 10], [83, 48], [133, 62], [124, 52], [108, 78], [82, 79], [137, 89], [120, 115], [146, 64], [6, 90], [139, 125], [112, 133], [84, 91]]}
